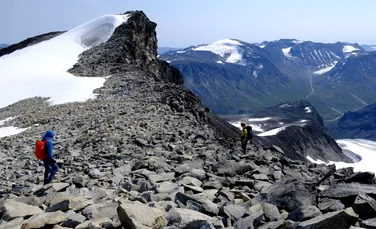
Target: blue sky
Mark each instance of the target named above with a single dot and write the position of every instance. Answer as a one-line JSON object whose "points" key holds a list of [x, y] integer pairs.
{"points": [[183, 23]]}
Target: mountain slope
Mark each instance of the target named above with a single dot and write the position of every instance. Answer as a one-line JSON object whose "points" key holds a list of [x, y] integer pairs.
{"points": [[163, 50], [297, 129], [235, 77], [348, 86], [356, 124]]}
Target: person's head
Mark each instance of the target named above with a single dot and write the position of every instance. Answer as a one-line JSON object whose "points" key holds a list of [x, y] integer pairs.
{"points": [[49, 135], [243, 125]]}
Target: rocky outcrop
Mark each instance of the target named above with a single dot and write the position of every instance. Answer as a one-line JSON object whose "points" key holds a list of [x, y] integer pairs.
{"points": [[302, 132]]}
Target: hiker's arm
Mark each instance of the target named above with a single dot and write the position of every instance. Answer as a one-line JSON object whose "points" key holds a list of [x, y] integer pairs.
{"points": [[49, 146]]}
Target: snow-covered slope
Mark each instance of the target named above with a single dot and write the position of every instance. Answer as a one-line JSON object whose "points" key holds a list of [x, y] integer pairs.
{"points": [[349, 48], [365, 149], [231, 49], [41, 69]]}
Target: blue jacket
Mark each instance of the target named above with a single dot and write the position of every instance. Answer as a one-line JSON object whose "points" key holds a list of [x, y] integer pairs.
{"points": [[49, 135]]}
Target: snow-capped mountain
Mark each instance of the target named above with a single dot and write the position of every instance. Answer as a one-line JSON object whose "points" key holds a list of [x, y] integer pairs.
{"points": [[312, 56], [369, 48], [232, 76]]}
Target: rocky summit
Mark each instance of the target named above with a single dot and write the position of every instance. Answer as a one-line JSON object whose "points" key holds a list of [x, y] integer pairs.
{"points": [[147, 154]]}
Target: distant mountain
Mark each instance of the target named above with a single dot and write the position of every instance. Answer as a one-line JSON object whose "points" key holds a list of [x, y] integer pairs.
{"points": [[349, 86], [162, 50], [233, 76], [369, 48], [3, 46], [356, 124], [296, 129]]}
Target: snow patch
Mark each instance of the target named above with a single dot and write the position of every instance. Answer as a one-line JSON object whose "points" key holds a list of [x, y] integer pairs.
{"points": [[259, 119], [223, 48], [260, 66], [262, 46], [303, 121], [324, 70], [349, 48], [255, 127], [315, 161], [272, 132], [44, 65], [286, 52], [219, 62], [2, 122], [366, 149], [10, 130], [255, 74], [181, 51], [297, 42], [307, 110]]}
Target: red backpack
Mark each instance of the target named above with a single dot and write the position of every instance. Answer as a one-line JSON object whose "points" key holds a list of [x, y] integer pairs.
{"points": [[40, 152]]}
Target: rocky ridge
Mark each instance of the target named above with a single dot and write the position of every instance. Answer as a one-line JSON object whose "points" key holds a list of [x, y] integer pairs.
{"points": [[147, 154]]}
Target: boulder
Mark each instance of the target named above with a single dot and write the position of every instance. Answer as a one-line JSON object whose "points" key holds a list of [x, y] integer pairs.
{"points": [[338, 219], [65, 203], [96, 223], [73, 220], [272, 225], [306, 213], [328, 205], [188, 180], [271, 212], [361, 177], [155, 178], [187, 216], [233, 168], [210, 208], [365, 206], [166, 187], [251, 221], [234, 212], [199, 224], [13, 224], [132, 214], [344, 190], [369, 223], [289, 195], [44, 219], [198, 173], [12, 209]]}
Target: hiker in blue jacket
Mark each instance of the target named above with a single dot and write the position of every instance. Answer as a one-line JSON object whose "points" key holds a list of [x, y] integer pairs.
{"points": [[50, 165]]}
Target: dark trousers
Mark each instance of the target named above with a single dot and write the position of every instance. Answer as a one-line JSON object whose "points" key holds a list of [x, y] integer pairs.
{"points": [[51, 169], [244, 144]]}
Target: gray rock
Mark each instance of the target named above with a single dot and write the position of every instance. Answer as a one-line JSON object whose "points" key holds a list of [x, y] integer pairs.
{"points": [[65, 203], [12, 209], [212, 185], [271, 212], [328, 205], [289, 195], [73, 220], [59, 186], [304, 214], [44, 219], [155, 178], [365, 206], [234, 212], [348, 190], [96, 223], [210, 208], [199, 224], [132, 214], [277, 175], [369, 223], [198, 173], [262, 185], [95, 174], [339, 219], [361, 177], [13, 224], [233, 168], [272, 225], [193, 188], [251, 221], [166, 187], [261, 177], [188, 180], [187, 216], [79, 181]]}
